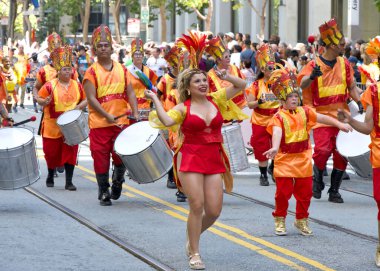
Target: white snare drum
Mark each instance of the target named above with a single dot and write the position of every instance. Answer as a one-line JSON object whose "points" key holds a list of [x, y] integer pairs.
{"points": [[246, 128], [74, 126], [354, 147], [18, 160], [234, 145], [144, 152]]}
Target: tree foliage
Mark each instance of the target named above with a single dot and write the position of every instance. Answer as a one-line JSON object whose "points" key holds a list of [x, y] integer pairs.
{"points": [[377, 4]]}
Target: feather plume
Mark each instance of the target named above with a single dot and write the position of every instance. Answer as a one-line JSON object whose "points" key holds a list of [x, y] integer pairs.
{"points": [[195, 44], [215, 47]]}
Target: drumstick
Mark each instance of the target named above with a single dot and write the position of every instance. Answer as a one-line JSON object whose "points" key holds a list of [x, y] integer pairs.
{"points": [[125, 114], [33, 118]]}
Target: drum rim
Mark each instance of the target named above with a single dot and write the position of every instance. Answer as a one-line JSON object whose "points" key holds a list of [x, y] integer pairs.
{"points": [[21, 146], [60, 124], [136, 124]]}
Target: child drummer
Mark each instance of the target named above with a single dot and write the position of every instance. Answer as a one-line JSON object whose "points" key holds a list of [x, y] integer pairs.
{"points": [[291, 150]]}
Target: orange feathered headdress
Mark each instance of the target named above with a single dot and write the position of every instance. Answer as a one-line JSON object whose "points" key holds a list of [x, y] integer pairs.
{"points": [[283, 82], [195, 44], [173, 56], [101, 33], [137, 45], [215, 47], [62, 57], [265, 56], [330, 33], [54, 41], [373, 48]]}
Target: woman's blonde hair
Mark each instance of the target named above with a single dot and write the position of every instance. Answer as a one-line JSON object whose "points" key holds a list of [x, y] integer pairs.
{"points": [[183, 82]]}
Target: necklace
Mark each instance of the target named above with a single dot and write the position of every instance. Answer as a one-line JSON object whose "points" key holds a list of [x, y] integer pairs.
{"points": [[64, 85]]}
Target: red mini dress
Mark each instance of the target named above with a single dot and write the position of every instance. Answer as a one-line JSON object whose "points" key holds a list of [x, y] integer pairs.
{"points": [[202, 145]]}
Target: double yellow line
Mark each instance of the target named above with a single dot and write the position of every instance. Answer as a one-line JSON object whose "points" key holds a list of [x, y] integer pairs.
{"points": [[243, 238]]}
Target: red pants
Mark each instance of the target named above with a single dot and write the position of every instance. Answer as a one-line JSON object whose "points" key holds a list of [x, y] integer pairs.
{"points": [[101, 146], [376, 189], [301, 188], [325, 145], [261, 141], [57, 153]]}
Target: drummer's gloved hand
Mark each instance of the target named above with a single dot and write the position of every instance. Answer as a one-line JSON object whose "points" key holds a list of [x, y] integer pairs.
{"points": [[316, 72], [361, 108]]}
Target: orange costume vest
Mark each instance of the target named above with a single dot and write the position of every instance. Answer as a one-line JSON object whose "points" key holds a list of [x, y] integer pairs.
{"points": [[170, 95], [325, 91], [110, 93], [215, 84], [268, 108], [62, 100], [295, 138], [139, 87]]}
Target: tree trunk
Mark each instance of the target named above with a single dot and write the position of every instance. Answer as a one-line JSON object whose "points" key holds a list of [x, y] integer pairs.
{"points": [[115, 10], [12, 19], [86, 20], [163, 23], [26, 22], [209, 15]]}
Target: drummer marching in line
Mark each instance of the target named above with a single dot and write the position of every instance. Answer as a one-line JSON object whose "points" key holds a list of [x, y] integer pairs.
{"points": [[291, 150], [371, 125], [327, 82], [59, 95], [110, 94], [263, 110]]}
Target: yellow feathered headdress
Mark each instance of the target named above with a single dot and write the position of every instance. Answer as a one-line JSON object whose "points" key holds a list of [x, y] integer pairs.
{"points": [[215, 47], [265, 56], [283, 82], [62, 57], [195, 44], [373, 48], [173, 56], [330, 33]]}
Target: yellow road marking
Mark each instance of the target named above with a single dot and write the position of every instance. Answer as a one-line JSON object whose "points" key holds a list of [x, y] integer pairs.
{"points": [[243, 243], [229, 228]]}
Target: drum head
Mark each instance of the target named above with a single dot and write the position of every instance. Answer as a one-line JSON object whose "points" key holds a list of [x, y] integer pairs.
{"points": [[135, 138], [68, 117], [353, 144], [14, 137]]}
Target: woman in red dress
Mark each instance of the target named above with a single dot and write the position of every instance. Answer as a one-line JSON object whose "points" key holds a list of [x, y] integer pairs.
{"points": [[200, 161]]}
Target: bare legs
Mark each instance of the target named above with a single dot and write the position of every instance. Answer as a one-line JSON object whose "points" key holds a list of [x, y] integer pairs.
{"points": [[205, 197]]}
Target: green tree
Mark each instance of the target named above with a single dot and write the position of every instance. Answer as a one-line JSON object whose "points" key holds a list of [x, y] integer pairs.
{"points": [[377, 4], [197, 6]]}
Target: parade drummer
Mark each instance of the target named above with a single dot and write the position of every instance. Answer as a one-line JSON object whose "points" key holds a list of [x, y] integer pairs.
{"points": [[48, 72], [59, 95], [265, 105], [109, 91], [140, 76], [371, 125], [291, 150], [169, 96], [327, 83], [200, 161], [223, 62]]}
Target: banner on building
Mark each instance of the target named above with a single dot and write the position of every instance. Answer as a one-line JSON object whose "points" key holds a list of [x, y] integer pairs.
{"points": [[353, 12]]}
